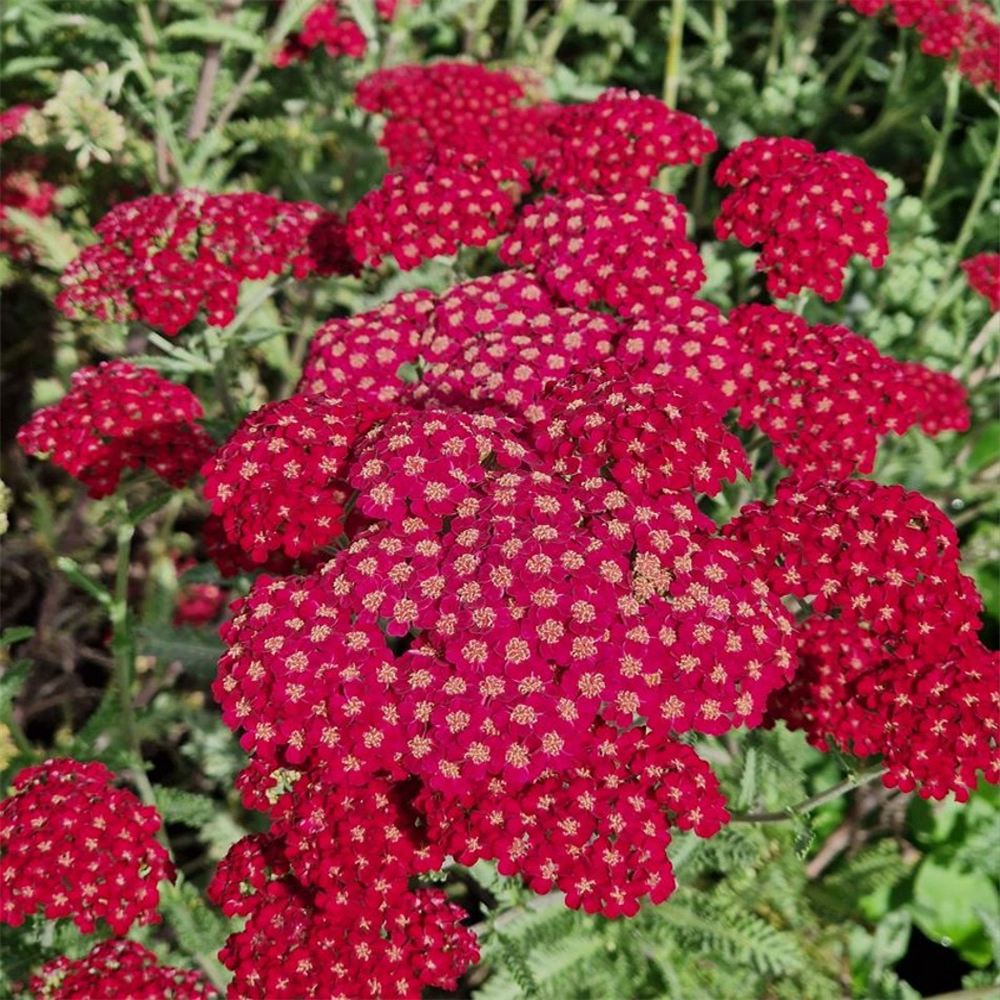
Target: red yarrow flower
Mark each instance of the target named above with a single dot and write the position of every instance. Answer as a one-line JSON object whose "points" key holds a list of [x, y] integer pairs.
{"points": [[627, 250], [434, 208], [118, 968], [73, 845], [279, 482], [983, 274], [618, 143], [165, 258], [118, 417], [325, 26], [810, 211]]}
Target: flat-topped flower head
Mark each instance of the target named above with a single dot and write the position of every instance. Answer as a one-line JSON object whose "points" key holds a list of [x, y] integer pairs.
{"points": [[626, 250], [118, 968], [933, 721], [362, 354], [433, 208], [456, 106], [810, 211], [164, 259], [598, 831], [324, 25], [279, 483], [619, 142], [876, 557], [641, 430], [825, 396], [74, 845], [117, 417], [495, 343]]}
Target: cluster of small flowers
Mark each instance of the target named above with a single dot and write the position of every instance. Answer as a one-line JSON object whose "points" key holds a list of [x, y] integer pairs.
{"points": [[612, 146], [851, 689], [824, 395], [11, 121], [118, 417], [164, 258], [968, 29], [894, 627], [458, 107], [809, 211], [23, 190], [278, 483], [434, 208], [73, 845], [618, 142], [983, 274], [324, 25], [114, 969], [627, 250]]}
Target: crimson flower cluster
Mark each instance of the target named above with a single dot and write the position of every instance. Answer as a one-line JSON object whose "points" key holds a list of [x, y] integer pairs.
{"points": [[809, 211], [118, 968], [324, 25], [619, 142], [459, 107], [22, 187], [306, 440], [893, 629], [966, 29], [118, 417], [73, 845], [165, 258], [983, 274], [823, 395], [449, 201]]}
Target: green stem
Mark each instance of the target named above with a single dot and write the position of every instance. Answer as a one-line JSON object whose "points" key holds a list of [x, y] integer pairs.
{"points": [[850, 73], [954, 81], [561, 23], [123, 649], [814, 801], [984, 191], [777, 33], [17, 734], [217, 355], [672, 65], [720, 34]]}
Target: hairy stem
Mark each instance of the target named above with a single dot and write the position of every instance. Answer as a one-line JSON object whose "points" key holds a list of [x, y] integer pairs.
{"points": [[814, 801]]}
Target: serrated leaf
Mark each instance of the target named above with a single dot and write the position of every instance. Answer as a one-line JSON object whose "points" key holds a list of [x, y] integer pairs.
{"points": [[178, 806], [211, 31], [27, 66]]}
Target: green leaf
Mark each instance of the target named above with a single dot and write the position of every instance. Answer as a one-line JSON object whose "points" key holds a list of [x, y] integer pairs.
{"points": [[944, 906], [150, 507], [210, 31], [178, 806], [17, 633], [27, 66], [197, 649], [74, 571], [11, 682], [986, 450]]}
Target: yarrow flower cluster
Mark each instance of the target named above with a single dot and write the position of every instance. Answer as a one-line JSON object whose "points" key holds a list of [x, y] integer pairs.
{"points": [[23, 190], [118, 968], [456, 107], [966, 29], [165, 258], [118, 417], [619, 142], [324, 25], [810, 211], [824, 395], [627, 250], [73, 845], [435, 208], [307, 441], [983, 274]]}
